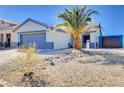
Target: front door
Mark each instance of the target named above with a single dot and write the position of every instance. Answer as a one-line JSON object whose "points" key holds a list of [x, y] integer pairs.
{"points": [[8, 40], [84, 40]]}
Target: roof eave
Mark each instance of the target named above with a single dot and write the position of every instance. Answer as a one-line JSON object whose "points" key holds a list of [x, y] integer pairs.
{"points": [[29, 19]]}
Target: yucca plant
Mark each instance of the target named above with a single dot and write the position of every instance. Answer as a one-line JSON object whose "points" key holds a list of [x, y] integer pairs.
{"points": [[76, 23]]}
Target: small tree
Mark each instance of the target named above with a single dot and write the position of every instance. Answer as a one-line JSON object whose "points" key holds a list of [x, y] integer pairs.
{"points": [[76, 23]]}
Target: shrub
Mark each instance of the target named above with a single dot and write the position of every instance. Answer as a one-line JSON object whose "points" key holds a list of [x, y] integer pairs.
{"points": [[30, 52], [29, 62]]}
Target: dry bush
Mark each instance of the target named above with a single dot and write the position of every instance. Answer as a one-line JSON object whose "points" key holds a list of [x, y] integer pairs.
{"points": [[25, 66], [29, 62]]}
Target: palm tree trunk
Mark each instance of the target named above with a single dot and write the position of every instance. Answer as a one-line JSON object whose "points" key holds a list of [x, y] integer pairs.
{"points": [[77, 43]]}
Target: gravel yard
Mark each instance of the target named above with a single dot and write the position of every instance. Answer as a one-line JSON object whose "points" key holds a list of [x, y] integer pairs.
{"points": [[92, 68]]}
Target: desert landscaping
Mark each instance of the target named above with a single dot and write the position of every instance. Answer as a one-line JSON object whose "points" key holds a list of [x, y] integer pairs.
{"points": [[74, 52], [66, 68]]}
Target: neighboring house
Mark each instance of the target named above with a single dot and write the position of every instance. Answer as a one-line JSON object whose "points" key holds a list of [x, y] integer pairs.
{"points": [[92, 35], [34, 33], [98, 39], [6, 28]]}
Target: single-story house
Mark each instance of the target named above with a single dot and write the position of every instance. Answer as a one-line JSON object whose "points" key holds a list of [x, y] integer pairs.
{"points": [[38, 34], [92, 35], [6, 30]]}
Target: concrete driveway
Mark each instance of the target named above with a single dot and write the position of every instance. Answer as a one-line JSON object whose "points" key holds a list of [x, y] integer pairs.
{"points": [[6, 55]]}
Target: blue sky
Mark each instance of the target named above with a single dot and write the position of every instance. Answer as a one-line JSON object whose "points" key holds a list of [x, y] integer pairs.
{"points": [[111, 17]]}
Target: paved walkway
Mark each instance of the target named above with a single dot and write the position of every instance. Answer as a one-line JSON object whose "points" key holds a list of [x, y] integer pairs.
{"points": [[7, 55]]}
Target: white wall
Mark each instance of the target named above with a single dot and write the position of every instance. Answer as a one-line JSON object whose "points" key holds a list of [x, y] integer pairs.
{"points": [[60, 39], [14, 37], [30, 26], [92, 37], [123, 41], [97, 36]]}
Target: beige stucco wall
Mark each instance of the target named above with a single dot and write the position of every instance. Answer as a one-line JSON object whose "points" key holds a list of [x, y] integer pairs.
{"points": [[4, 32], [14, 39]]}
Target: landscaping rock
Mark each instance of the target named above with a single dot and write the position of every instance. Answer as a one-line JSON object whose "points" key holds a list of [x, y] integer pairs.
{"points": [[32, 81], [52, 63], [87, 55], [38, 83]]}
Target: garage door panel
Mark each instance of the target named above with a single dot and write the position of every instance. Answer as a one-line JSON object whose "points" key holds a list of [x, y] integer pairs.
{"points": [[34, 37], [38, 39]]}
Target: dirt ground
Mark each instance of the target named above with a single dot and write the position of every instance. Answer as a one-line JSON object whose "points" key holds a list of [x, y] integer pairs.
{"points": [[98, 68]]}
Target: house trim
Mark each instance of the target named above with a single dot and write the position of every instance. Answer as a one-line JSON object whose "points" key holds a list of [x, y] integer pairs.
{"points": [[29, 19], [33, 32]]}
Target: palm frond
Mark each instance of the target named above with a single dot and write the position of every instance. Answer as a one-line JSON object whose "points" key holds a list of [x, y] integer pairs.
{"points": [[75, 20]]}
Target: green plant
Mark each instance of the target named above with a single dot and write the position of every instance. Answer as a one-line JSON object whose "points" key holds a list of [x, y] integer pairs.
{"points": [[76, 23]]}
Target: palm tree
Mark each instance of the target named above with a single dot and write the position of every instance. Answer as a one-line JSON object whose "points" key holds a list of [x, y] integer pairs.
{"points": [[76, 23]]}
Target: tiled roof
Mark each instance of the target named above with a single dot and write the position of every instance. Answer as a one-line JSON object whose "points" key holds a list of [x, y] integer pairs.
{"points": [[93, 27], [7, 25], [7, 21]]}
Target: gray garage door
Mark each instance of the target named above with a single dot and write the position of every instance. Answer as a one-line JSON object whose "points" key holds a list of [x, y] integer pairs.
{"points": [[39, 40]]}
